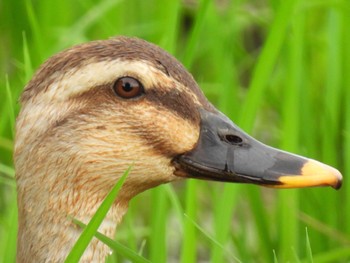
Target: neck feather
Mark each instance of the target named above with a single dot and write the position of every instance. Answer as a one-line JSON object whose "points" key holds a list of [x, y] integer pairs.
{"points": [[46, 232]]}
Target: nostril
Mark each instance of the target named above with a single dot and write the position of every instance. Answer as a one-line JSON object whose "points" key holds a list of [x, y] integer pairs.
{"points": [[233, 139]]}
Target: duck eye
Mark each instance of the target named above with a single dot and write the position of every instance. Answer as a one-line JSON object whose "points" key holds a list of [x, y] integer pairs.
{"points": [[127, 87]]}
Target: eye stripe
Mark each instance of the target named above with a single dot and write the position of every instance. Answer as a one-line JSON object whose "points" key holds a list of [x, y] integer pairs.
{"points": [[175, 101]]}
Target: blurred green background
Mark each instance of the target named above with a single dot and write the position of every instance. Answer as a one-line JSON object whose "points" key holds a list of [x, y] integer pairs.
{"points": [[279, 69]]}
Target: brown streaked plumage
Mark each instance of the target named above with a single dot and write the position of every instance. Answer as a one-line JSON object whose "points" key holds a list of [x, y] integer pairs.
{"points": [[75, 136]]}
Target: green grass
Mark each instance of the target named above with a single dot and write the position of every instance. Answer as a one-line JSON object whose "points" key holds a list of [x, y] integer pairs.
{"points": [[92, 227], [279, 69]]}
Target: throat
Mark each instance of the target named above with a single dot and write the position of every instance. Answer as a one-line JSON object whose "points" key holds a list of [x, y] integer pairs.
{"points": [[52, 239]]}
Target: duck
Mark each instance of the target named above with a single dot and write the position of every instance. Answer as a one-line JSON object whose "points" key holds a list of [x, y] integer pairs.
{"points": [[92, 110]]}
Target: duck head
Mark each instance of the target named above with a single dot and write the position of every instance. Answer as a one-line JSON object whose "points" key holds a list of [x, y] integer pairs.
{"points": [[96, 108], [93, 110]]}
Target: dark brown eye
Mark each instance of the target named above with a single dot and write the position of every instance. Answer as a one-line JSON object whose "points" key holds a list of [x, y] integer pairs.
{"points": [[127, 88]]}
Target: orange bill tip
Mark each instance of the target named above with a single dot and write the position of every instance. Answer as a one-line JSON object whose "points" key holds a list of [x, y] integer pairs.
{"points": [[313, 173]]}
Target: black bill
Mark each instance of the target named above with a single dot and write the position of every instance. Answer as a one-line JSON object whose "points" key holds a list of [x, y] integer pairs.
{"points": [[226, 153]]}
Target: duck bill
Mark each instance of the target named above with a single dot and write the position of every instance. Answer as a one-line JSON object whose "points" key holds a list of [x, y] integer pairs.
{"points": [[225, 153]]}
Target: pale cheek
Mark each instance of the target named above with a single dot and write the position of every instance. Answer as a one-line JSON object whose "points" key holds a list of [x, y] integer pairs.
{"points": [[177, 134], [183, 136], [170, 131]]}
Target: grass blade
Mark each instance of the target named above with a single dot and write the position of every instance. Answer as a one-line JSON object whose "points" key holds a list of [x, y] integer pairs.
{"points": [[211, 238], [116, 246], [11, 239], [188, 253], [7, 175], [158, 249], [288, 236], [325, 229], [346, 131], [308, 247], [11, 107], [194, 35], [335, 255], [266, 63], [91, 229], [275, 260], [28, 68]]}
